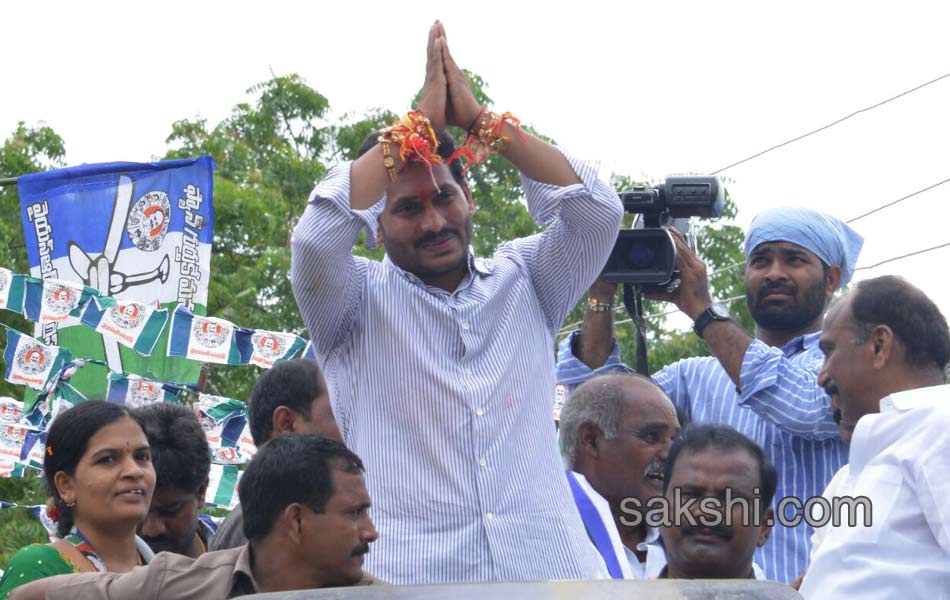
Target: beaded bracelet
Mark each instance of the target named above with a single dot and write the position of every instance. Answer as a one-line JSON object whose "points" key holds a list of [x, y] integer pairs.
{"points": [[486, 137], [416, 140]]}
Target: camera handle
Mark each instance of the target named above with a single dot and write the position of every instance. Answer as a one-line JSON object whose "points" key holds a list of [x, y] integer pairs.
{"points": [[633, 302]]}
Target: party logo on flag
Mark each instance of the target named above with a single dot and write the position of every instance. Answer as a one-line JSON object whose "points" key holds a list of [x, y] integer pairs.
{"points": [[205, 339], [227, 456], [148, 221], [136, 391], [269, 347], [132, 324], [9, 299], [11, 411], [211, 334], [132, 231], [222, 486], [30, 362], [59, 299]]}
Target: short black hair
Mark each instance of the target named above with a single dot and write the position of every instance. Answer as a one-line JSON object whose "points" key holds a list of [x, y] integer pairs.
{"points": [[294, 467], [911, 315], [446, 149], [180, 451], [292, 383], [66, 442], [696, 438]]}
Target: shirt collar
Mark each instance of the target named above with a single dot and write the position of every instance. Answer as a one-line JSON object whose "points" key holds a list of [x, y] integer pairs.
{"points": [[925, 397], [801, 343], [653, 534], [482, 266], [242, 578]]}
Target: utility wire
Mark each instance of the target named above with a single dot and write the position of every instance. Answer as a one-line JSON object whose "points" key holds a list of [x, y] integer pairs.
{"points": [[833, 123], [861, 216], [915, 253]]}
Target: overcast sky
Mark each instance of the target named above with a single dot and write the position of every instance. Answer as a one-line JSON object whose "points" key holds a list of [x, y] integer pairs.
{"points": [[647, 88]]}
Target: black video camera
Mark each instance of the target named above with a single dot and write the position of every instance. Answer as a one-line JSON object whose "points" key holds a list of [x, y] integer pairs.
{"points": [[645, 255]]}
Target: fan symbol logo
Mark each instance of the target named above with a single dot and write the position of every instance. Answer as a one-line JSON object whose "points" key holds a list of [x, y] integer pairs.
{"points": [[12, 435], [127, 316], [208, 333], [9, 412], [59, 299], [268, 345], [32, 358], [143, 392], [148, 221]]}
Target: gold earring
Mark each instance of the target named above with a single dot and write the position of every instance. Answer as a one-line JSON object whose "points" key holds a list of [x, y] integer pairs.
{"points": [[70, 503]]}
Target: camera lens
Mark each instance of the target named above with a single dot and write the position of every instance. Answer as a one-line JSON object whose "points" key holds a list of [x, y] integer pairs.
{"points": [[641, 256]]}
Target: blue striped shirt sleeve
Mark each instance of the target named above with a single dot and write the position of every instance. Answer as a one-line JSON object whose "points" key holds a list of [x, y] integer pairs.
{"points": [[785, 392], [564, 259], [327, 279], [572, 371]]}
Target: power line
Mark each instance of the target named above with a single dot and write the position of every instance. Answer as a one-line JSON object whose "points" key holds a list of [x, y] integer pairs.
{"points": [[833, 123], [853, 219], [915, 253], [572, 326], [889, 204]]}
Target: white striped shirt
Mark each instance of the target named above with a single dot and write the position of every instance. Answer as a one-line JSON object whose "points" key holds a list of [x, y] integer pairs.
{"points": [[780, 407], [446, 396]]}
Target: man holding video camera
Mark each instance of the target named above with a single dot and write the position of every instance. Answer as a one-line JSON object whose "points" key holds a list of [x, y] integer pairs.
{"points": [[764, 385]]}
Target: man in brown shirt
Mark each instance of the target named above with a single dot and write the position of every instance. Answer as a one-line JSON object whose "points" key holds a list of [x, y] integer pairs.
{"points": [[305, 514], [290, 397]]}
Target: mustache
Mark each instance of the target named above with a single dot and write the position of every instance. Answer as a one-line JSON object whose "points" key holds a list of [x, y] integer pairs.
{"points": [[831, 388], [719, 530], [769, 288], [360, 550], [654, 469], [435, 237], [158, 542]]}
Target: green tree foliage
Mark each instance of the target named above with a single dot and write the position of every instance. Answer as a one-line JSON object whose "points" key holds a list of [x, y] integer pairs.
{"points": [[269, 153]]}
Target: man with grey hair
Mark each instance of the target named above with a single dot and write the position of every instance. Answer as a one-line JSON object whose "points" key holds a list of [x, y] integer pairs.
{"points": [[615, 433]]}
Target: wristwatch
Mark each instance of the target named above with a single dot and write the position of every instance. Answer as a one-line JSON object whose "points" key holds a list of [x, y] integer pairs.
{"points": [[595, 305], [713, 312]]}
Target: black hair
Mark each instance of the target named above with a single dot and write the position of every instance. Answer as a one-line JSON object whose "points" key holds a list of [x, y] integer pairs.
{"points": [[696, 438], [292, 383], [911, 315], [66, 442], [446, 149], [294, 467], [180, 451]]}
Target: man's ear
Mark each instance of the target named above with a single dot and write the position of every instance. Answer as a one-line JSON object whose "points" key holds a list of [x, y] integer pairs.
{"points": [[883, 344], [468, 198], [765, 530], [283, 420], [589, 437], [292, 520], [201, 492], [833, 281]]}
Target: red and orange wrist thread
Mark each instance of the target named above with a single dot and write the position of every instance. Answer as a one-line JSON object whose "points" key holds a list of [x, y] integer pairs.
{"points": [[416, 140]]}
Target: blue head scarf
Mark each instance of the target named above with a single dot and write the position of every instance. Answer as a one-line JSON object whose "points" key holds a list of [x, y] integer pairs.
{"points": [[830, 239]]}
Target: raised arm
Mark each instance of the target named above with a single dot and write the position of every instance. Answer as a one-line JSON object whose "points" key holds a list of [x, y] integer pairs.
{"points": [[778, 388], [327, 279]]}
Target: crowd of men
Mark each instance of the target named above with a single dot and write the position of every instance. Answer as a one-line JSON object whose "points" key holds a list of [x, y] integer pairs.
{"points": [[436, 377]]}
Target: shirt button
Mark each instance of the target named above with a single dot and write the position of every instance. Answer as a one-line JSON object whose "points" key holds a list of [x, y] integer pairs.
{"points": [[489, 516], [479, 412], [483, 462], [465, 326]]}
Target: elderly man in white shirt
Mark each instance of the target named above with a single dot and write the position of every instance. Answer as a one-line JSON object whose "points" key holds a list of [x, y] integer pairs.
{"points": [[886, 349], [615, 433]]}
